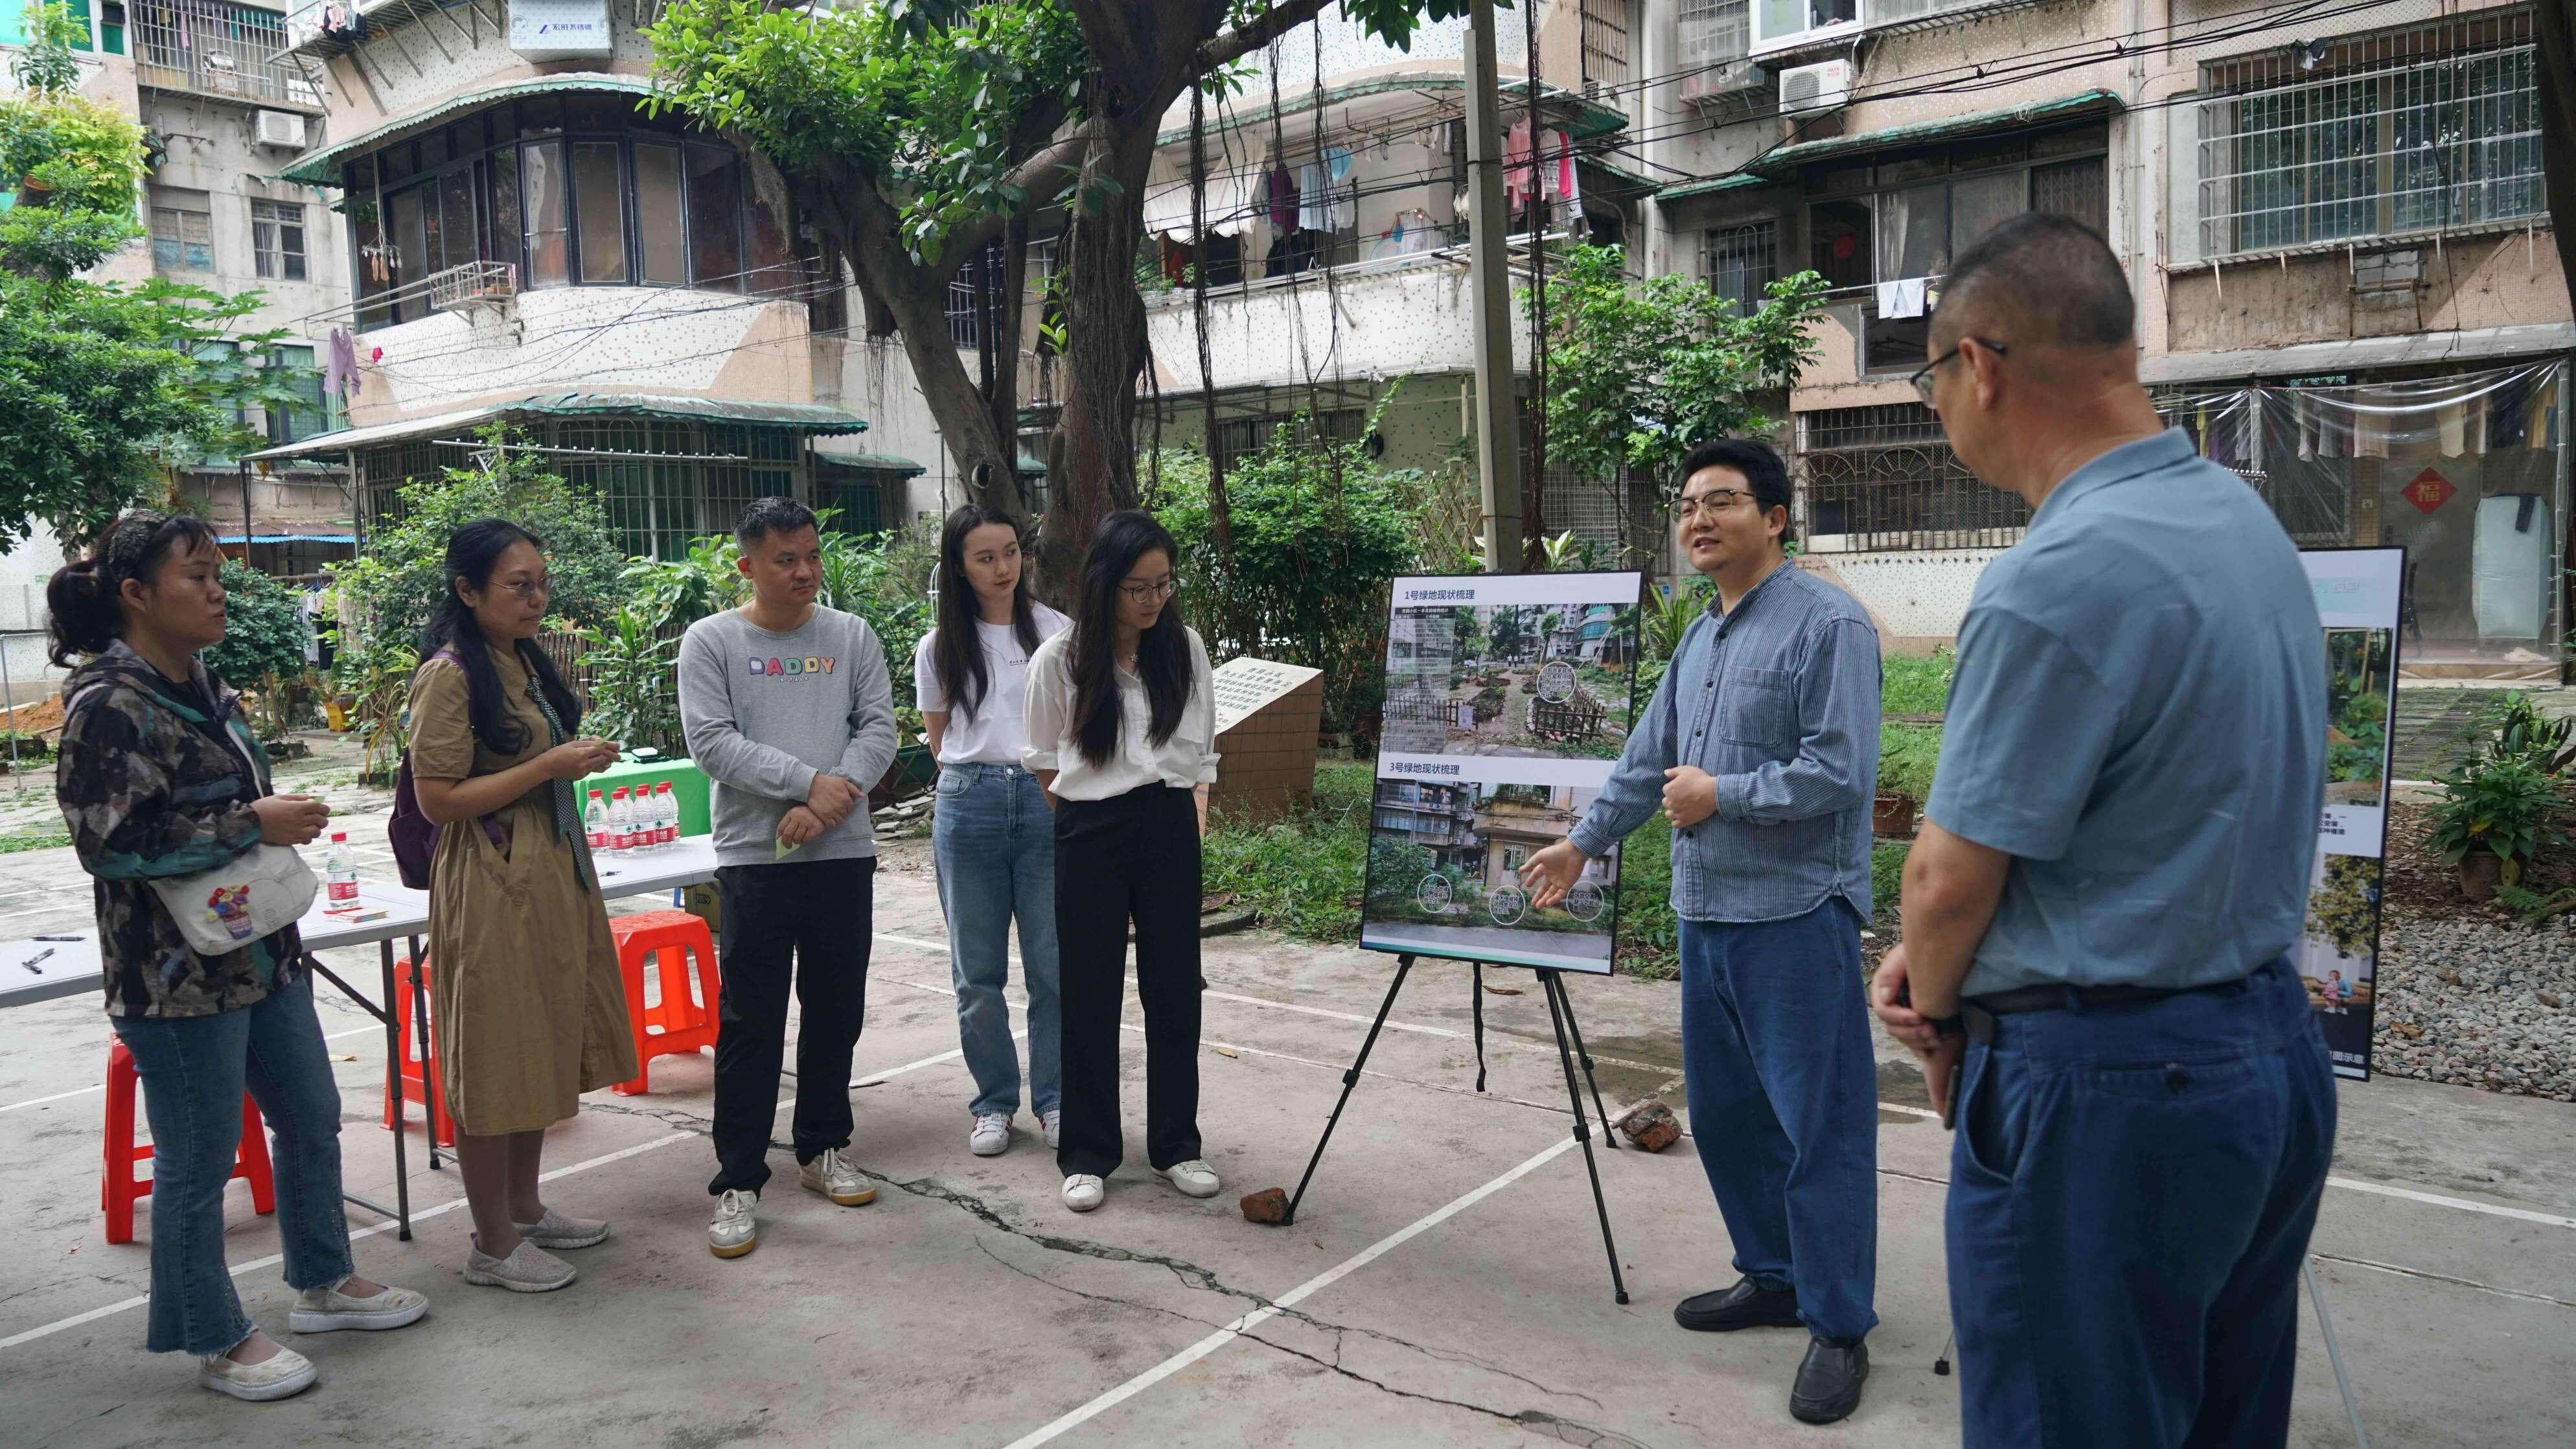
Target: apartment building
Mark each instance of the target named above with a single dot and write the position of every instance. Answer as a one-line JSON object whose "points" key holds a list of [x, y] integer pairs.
{"points": [[2333, 219], [637, 298], [222, 118]]}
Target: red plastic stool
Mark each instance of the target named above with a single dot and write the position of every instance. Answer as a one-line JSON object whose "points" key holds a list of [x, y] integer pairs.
{"points": [[118, 1187], [419, 1065], [681, 1022]]}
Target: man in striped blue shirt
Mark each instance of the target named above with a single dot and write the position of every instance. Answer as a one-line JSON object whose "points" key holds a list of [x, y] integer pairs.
{"points": [[1761, 747]]}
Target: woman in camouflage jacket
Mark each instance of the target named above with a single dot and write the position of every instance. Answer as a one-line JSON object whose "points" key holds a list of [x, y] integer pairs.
{"points": [[160, 777]]}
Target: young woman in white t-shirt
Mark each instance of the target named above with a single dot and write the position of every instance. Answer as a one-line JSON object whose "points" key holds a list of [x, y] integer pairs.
{"points": [[992, 835], [1121, 722]]}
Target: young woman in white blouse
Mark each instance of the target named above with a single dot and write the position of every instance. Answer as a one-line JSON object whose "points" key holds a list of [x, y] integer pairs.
{"points": [[991, 835], [1121, 722]]}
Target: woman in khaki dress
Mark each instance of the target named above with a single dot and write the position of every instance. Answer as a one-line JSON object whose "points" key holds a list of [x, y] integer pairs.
{"points": [[529, 1008]]}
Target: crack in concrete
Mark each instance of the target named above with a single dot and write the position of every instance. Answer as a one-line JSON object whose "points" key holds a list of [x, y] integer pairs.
{"points": [[1533, 1420]]}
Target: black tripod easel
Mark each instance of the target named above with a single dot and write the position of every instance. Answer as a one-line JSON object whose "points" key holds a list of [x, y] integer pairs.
{"points": [[1569, 1050]]}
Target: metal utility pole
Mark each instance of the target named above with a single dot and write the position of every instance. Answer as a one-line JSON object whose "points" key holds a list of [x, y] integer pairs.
{"points": [[1498, 453]]}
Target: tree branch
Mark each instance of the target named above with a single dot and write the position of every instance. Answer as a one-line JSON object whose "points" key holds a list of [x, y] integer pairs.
{"points": [[1259, 31]]}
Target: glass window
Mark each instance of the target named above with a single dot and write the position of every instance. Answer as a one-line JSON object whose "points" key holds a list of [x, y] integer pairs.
{"points": [[1741, 261], [411, 246], [774, 272], [374, 261], [433, 228], [541, 195], [1839, 234], [540, 115], [183, 231], [1913, 232], [433, 150], [501, 205], [598, 189], [2073, 188], [277, 239], [456, 212], [595, 111], [715, 211], [658, 217], [1979, 204]]}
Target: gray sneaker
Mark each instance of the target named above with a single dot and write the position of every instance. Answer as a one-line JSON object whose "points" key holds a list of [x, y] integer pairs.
{"points": [[528, 1269], [735, 1231], [557, 1232]]}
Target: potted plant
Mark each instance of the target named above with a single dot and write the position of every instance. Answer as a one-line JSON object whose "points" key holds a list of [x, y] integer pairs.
{"points": [[2493, 817]]}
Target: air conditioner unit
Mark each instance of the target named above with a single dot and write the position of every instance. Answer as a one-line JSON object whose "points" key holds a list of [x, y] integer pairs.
{"points": [[1807, 90], [280, 128], [1720, 81]]}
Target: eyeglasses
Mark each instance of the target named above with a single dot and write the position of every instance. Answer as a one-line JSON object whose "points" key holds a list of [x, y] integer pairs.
{"points": [[1709, 505], [527, 589], [1153, 593], [1922, 378]]}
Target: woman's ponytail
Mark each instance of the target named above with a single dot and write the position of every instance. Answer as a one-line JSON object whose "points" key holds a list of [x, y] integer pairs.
{"points": [[85, 615]]}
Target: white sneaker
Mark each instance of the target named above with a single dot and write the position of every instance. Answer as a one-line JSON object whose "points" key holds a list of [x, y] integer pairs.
{"points": [[556, 1231], [281, 1375], [735, 1231], [1194, 1177], [1054, 1124], [528, 1269], [1083, 1192], [835, 1177], [992, 1134], [324, 1310]]}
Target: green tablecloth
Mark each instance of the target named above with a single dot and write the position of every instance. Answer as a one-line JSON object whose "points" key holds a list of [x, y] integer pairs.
{"points": [[688, 786]]}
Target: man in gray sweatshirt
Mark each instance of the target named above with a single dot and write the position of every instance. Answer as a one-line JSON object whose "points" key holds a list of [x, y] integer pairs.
{"points": [[787, 707]]}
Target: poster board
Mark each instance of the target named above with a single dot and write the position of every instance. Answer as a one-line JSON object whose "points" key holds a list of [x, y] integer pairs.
{"points": [[1508, 699], [2359, 599], [1244, 686]]}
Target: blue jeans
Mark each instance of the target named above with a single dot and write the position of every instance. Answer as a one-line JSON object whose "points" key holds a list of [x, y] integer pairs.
{"points": [[994, 840], [193, 1070], [1783, 1096], [2131, 1191]]}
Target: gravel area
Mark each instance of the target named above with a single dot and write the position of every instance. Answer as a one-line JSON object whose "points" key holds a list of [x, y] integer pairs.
{"points": [[2480, 1003]]}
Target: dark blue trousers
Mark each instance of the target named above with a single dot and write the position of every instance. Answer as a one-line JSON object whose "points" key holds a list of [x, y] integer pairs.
{"points": [[2131, 1190], [1784, 1105]]}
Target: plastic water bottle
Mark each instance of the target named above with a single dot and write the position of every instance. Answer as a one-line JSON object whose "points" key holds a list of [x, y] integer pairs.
{"points": [[594, 822], [340, 874], [667, 809], [621, 824]]}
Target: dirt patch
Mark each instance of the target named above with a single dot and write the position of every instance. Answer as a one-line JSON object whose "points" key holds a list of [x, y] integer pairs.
{"points": [[2420, 886]]}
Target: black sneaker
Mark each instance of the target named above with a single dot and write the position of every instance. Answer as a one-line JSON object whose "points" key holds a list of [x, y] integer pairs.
{"points": [[1828, 1386], [1746, 1305]]}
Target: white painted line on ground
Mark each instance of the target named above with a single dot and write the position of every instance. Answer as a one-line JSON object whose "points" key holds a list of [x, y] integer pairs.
{"points": [[2463, 1204], [2354, 1184], [452, 1204], [1290, 1299], [2395, 1271], [102, 1086]]}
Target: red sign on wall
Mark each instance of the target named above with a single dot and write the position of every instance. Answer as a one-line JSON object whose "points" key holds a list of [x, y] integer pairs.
{"points": [[2429, 491]]}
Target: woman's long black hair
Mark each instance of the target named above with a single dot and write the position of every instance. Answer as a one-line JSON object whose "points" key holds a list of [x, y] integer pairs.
{"points": [[86, 597], [957, 655], [1162, 654], [472, 551]]}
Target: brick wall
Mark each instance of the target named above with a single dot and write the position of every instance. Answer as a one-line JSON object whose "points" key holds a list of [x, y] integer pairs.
{"points": [[1268, 760]]}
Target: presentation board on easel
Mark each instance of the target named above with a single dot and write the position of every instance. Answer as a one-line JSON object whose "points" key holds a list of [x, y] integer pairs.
{"points": [[1508, 699], [2359, 593]]}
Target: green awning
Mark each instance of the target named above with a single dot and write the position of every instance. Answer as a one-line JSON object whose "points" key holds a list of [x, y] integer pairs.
{"points": [[1622, 181], [1033, 467], [322, 168], [1583, 118], [1684, 191], [873, 462], [1772, 166]]}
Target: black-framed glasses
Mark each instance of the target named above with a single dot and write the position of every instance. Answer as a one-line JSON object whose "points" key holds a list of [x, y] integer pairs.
{"points": [[1922, 378], [1153, 593], [1709, 504]]}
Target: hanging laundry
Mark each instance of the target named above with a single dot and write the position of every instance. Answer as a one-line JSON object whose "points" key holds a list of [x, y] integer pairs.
{"points": [[340, 364], [2451, 429], [2507, 411], [1900, 299], [2544, 424], [1517, 181], [1282, 191], [1337, 160]]}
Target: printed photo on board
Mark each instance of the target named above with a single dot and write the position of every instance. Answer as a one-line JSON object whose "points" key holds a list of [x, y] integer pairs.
{"points": [[1547, 680], [1444, 875]]}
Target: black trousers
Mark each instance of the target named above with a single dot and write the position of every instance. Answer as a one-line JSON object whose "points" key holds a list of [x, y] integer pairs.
{"points": [[813, 918], [1135, 857]]}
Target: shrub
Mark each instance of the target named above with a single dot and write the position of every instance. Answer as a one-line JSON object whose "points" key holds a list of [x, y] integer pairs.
{"points": [[265, 630], [1918, 685], [1907, 755], [2502, 807]]}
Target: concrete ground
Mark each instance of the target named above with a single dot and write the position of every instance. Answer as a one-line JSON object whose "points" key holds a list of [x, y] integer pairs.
{"points": [[1445, 1283]]}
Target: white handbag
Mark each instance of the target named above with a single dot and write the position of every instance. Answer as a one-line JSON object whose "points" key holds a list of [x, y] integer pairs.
{"points": [[256, 894]]}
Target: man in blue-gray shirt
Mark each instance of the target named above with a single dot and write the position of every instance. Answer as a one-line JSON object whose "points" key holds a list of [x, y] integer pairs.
{"points": [[2121, 832], [1761, 745]]}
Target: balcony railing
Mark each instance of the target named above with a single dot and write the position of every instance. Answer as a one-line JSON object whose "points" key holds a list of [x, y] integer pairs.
{"points": [[216, 47]]}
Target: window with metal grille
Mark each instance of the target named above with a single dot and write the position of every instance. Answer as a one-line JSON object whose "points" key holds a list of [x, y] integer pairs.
{"points": [[965, 316], [1712, 33], [183, 231], [1739, 261], [1883, 479], [277, 239], [1239, 438], [1605, 44], [2417, 130]]}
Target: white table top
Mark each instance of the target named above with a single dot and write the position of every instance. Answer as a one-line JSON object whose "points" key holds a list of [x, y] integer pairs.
{"points": [[74, 968]]}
